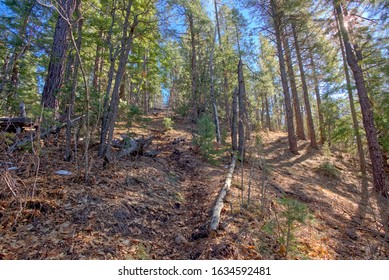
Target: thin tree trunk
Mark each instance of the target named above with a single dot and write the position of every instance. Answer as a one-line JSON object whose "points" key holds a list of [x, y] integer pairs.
{"points": [[127, 39], [212, 92], [361, 154], [226, 89], [354, 57], [145, 84], [70, 107], [288, 106], [296, 102], [267, 107], [193, 67], [311, 125], [318, 98], [112, 56], [242, 109], [234, 121], [96, 67]]}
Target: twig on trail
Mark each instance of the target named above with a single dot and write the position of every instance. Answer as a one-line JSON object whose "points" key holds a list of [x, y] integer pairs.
{"points": [[221, 197]]}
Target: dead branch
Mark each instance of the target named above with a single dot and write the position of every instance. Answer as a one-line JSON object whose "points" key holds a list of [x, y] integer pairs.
{"points": [[44, 134], [135, 147]]}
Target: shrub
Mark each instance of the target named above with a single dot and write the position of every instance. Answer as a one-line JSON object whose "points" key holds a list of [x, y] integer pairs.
{"points": [[168, 124], [182, 110], [134, 113], [205, 136], [285, 226], [328, 169]]}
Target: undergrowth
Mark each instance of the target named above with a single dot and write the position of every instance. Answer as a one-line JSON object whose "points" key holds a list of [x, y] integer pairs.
{"points": [[285, 224]]}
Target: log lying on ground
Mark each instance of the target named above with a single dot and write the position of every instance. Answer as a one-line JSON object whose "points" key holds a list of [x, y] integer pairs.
{"points": [[16, 125], [135, 147], [215, 220], [43, 134]]}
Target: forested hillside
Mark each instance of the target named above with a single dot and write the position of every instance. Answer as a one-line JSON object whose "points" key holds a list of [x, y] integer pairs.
{"points": [[202, 129]]}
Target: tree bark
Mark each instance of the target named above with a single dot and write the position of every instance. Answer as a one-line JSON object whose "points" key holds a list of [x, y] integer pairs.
{"points": [[318, 98], [361, 154], [226, 89], [70, 107], [59, 49], [193, 67], [215, 220], [127, 39], [242, 110], [112, 58], [276, 14], [267, 107], [96, 67], [311, 125], [234, 121], [296, 102], [354, 57], [212, 92]]}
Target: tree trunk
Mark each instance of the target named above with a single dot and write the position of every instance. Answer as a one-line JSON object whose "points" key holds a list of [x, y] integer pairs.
{"points": [[311, 125], [318, 98], [212, 92], [234, 121], [288, 106], [127, 39], [96, 67], [193, 67], [268, 120], [296, 102], [145, 84], [226, 89], [59, 49], [112, 57], [70, 107], [242, 109], [354, 57], [361, 154], [215, 220]]}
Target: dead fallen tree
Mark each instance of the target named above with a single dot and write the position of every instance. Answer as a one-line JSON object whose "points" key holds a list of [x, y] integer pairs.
{"points": [[135, 147], [215, 220], [43, 134]]}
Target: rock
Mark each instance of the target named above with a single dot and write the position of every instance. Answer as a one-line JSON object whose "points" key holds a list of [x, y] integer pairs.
{"points": [[12, 168], [352, 234], [180, 239], [63, 172]]}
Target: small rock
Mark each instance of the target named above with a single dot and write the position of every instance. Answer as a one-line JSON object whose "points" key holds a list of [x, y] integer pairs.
{"points": [[63, 172], [352, 234], [180, 239], [12, 168]]}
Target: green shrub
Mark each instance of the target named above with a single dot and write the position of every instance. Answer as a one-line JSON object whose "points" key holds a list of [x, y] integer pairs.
{"points": [[168, 124], [133, 113], [328, 169], [285, 225], [182, 110], [205, 136]]}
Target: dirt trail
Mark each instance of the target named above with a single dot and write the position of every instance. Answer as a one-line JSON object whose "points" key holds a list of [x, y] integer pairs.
{"points": [[137, 208], [159, 207]]}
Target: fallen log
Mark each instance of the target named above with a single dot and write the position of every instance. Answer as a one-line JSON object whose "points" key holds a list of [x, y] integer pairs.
{"points": [[135, 147], [43, 134], [215, 220], [16, 125]]}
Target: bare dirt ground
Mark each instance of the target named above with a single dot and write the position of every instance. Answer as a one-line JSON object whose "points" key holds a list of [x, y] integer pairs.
{"points": [[159, 207]]}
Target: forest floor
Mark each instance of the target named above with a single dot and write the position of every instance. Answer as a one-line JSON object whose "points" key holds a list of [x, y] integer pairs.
{"points": [[160, 207]]}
